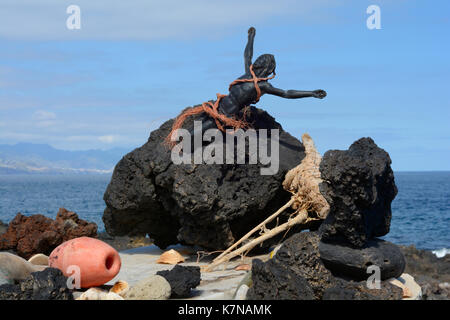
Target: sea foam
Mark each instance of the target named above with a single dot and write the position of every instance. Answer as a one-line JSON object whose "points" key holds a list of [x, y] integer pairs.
{"points": [[441, 252]]}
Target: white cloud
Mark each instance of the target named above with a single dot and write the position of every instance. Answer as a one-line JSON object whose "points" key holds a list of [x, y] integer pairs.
{"points": [[144, 19], [44, 119], [42, 115], [107, 139]]}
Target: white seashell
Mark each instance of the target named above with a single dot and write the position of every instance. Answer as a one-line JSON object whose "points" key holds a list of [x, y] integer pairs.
{"points": [[98, 294], [39, 259], [170, 257]]}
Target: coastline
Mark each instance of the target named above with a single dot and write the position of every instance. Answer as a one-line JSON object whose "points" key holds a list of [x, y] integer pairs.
{"points": [[431, 272], [420, 210]]}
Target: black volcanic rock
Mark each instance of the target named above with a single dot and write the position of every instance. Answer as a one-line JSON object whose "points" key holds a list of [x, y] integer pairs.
{"points": [[359, 186], [207, 205], [301, 254], [181, 279], [49, 284], [351, 290], [353, 263], [296, 272], [273, 281]]}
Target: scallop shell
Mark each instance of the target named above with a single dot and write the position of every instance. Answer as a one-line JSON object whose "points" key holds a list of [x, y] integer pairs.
{"points": [[170, 257], [120, 287]]}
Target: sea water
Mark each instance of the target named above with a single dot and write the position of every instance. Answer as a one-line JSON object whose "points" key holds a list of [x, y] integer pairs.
{"points": [[420, 212], [45, 194]]}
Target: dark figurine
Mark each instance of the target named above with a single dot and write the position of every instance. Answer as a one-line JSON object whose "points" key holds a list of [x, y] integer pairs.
{"points": [[246, 90]]}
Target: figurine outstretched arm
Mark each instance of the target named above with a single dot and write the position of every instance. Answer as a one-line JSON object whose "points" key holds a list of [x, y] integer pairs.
{"points": [[292, 94], [248, 53]]}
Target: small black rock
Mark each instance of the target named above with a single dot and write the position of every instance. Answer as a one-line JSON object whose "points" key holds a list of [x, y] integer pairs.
{"points": [[295, 273], [272, 281], [181, 279], [49, 284]]}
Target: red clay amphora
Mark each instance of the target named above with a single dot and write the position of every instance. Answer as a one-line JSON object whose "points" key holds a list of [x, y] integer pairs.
{"points": [[96, 261]]}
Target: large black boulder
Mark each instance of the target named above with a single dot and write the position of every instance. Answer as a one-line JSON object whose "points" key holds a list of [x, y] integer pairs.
{"points": [[353, 262], [49, 284], [358, 183], [207, 205]]}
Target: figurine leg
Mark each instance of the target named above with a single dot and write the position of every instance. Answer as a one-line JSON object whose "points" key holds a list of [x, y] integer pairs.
{"points": [[207, 123]]}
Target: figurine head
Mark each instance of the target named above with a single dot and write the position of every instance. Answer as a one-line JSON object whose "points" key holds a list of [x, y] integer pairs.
{"points": [[264, 65]]}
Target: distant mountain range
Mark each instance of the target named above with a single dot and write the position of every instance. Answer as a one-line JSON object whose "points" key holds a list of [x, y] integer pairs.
{"points": [[29, 158]]}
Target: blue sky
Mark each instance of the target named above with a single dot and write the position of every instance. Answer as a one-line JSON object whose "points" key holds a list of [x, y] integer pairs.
{"points": [[135, 64]]}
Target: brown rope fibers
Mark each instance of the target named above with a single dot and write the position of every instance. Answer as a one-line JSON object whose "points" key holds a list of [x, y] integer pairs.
{"points": [[211, 109]]}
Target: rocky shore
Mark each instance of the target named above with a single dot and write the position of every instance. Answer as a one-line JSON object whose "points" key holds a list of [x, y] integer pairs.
{"points": [[26, 236], [430, 272]]}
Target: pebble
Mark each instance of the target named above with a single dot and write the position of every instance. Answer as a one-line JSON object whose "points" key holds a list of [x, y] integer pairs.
{"points": [[152, 288], [444, 286], [241, 292]]}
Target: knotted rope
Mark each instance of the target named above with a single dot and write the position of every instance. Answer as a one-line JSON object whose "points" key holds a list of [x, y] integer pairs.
{"points": [[211, 109]]}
